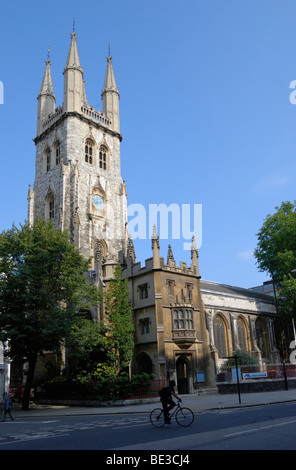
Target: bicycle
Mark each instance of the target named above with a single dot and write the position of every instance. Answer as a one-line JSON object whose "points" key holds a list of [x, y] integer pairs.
{"points": [[183, 415]]}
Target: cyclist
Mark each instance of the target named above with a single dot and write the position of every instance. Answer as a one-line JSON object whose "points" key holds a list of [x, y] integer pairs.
{"points": [[166, 399]]}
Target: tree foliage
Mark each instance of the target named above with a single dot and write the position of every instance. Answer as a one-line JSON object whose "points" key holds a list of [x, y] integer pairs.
{"points": [[276, 255], [43, 284], [276, 247], [88, 345], [120, 321]]}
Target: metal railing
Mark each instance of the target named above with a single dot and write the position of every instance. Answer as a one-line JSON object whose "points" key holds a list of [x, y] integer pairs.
{"points": [[152, 391]]}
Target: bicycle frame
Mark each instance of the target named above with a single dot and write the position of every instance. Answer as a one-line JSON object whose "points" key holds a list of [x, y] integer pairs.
{"points": [[178, 407], [183, 415]]}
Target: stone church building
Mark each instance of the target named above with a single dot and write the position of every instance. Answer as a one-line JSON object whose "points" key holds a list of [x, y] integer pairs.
{"points": [[184, 326]]}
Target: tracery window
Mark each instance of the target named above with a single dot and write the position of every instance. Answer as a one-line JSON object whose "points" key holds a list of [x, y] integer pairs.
{"points": [[262, 336], [220, 336], [242, 335], [103, 158], [89, 151]]}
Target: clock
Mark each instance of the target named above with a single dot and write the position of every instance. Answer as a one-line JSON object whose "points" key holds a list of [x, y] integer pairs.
{"points": [[98, 202]]}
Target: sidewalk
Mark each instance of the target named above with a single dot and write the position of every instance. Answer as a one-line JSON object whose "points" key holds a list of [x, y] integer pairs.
{"points": [[198, 403]]}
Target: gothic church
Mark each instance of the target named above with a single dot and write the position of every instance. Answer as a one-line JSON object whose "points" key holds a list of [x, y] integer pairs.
{"points": [[184, 325]]}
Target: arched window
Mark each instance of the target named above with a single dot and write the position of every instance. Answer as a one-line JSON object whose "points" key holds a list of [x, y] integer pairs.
{"points": [[242, 335], [89, 151], [144, 364], [48, 159], [58, 152], [103, 158], [220, 337], [51, 208], [262, 336]]}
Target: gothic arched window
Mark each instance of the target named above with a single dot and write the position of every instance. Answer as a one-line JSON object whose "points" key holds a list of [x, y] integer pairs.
{"points": [[49, 206], [220, 336], [103, 158], [89, 146], [58, 152], [262, 336], [242, 334], [48, 159]]}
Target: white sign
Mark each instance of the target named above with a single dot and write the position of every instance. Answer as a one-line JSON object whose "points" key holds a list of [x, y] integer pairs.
{"points": [[254, 375]]}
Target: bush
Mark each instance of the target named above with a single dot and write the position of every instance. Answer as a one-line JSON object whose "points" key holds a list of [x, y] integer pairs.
{"points": [[63, 389], [106, 385], [121, 386], [243, 360]]}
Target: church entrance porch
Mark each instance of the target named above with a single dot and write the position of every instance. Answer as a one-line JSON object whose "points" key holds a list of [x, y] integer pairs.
{"points": [[183, 369]]}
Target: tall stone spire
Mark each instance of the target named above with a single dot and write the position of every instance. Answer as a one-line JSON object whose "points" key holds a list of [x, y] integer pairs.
{"points": [[110, 96], [46, 97], [74, 87]]}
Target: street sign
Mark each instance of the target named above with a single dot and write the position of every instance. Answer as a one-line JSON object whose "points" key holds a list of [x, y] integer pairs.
{"points": [[254, 375]]}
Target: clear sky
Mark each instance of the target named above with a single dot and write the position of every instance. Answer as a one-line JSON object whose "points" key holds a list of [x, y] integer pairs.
{"points": [[204, 107]]}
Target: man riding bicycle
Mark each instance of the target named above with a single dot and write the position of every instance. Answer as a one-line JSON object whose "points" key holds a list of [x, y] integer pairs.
{"points": [[167, 401]]}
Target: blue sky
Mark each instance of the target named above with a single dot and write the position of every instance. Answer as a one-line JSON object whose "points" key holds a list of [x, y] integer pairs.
{"points": [[204, 108]]}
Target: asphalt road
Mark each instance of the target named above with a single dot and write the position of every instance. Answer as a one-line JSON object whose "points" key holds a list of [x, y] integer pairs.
{"points": [[269, 427]]}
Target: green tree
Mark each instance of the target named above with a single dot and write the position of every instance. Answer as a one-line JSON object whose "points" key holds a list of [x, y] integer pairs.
{"points": [[276, 254], [119, 315], [276, 246], [87, 346], [43, 284]]}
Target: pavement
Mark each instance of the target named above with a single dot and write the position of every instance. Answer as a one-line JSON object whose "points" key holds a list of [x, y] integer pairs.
{"points": [[198, 403]]}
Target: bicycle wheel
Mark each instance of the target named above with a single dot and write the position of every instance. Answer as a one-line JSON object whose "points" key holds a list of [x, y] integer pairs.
{"points": [[184, 417], [157, 417]]}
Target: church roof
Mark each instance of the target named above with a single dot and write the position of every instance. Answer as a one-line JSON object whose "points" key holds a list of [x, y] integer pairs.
{"points": [[224, 289]]}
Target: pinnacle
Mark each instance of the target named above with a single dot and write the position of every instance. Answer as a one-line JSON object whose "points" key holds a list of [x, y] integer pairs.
{"points": [[73, 56], [110, 82], [47, 85]]}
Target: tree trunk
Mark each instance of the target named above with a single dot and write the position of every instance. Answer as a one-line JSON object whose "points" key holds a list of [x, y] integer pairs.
{"points": [[29, 383]]}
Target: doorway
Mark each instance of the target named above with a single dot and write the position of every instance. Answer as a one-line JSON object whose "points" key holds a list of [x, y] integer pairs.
{"points": [[183, 371]]}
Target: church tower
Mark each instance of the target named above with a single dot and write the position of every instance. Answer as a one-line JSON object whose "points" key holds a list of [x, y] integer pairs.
{"points": [[78, 181]]}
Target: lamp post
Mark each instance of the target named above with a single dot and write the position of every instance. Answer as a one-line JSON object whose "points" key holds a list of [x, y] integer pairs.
{"points": [[237, 377], [277, 313], [293, 323]]}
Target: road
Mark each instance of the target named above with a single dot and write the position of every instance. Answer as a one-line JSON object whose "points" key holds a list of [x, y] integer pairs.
{"points": [[269, 427]]}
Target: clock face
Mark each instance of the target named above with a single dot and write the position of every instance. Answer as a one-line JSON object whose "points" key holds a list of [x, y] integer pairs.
{"points": [[98, 202]]}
